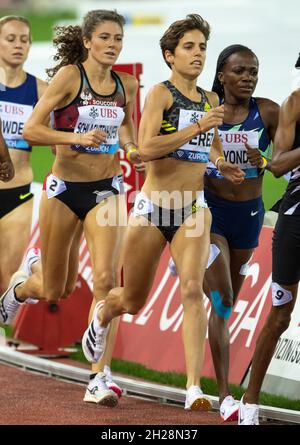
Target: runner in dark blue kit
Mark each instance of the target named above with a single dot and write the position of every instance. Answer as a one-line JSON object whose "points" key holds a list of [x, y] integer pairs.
{"points": [[285, 254], [237, 210], [19, 92]]}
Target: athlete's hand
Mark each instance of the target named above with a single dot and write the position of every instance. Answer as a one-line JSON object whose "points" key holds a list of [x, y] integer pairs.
{"points": [[213, 118], [137, 162], [7, 171], [254, 156], [232, 172], [92, 138]]}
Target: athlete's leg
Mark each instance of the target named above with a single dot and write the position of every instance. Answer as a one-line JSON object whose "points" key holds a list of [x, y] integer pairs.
{"points": [[73, 261], [139, 269], [277, 322], [15, 234], [57, 225], [239, 259], [104, 244], [33, 286], [190, 255], [218, 287], [143, 246]]}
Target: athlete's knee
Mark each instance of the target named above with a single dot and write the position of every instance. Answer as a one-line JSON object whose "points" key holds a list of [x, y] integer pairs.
{"points": [[103, 282], [54, 293], [222, 303], [279, 322], [191, 291]]}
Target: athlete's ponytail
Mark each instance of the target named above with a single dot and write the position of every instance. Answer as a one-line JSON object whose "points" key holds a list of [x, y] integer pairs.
{"points": [[69, 39], [222, 60]]}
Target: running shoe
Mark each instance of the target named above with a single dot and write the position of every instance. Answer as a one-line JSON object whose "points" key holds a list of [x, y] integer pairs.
{"points": [[98, 392], [197, 401], [248, 413], [110, 383], [94, 338], [9, 305], [229, 409]]}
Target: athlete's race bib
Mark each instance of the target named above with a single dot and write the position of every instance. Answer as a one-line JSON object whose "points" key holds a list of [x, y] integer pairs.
{"points": [[107, 119], [142, 205], [235, 152], [54, 186], [198, 148], [13, 117]]}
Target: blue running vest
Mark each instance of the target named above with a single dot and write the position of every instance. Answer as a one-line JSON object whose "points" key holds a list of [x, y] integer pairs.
{"points": [[16, 105], [234, 136]]}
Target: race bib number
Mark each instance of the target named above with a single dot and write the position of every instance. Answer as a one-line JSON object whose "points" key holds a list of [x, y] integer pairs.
{"points": [[198, 148], [54, 186], [107, 119], [142, 205], [235, 151], [13, 118], [234, 146]]}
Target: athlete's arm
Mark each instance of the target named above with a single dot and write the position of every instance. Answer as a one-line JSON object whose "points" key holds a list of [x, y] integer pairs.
{"points": [[216, 147], [41, 87], [152, 146], [127, 132], [6, 166], [230, 171], [269, 111], [58, 94], [285, 159]]}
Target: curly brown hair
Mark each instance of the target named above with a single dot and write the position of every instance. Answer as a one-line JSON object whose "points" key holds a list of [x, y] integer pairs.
{"points": [[176, 31], [17, 18], [69, 39]]}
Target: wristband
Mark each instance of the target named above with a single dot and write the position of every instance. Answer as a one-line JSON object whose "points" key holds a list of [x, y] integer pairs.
{"points": [[264, 162], [130, 151], [199, 125], [219, 158]]}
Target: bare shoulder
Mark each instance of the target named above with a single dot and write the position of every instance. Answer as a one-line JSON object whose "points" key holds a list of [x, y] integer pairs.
{"points": [[41, 86], [130, 83], [268, 104], [213, 98], [292, 104], [68, 73], [269, 109], [159, 94]]}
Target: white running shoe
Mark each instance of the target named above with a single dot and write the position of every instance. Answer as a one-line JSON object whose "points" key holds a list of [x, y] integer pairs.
{"points": [[229, 409], [32, 255], [8, 304], [248, 413], [197, 401], [94, 338], [172, 267], [98, 392], [110, 383]]}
